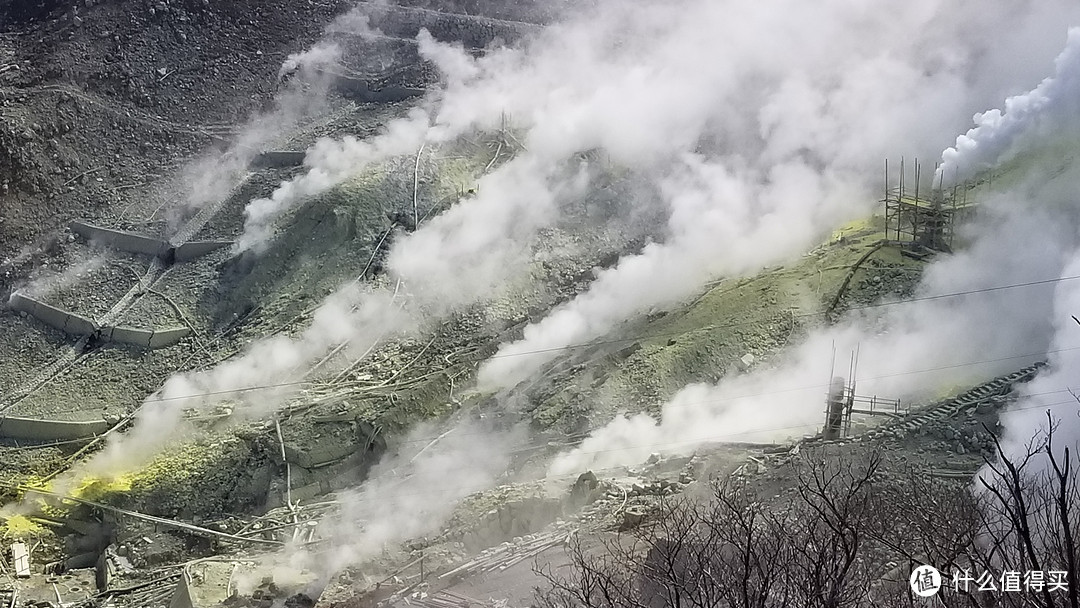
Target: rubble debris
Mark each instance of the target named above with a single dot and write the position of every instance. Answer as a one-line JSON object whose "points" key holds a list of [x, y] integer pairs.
{"points": [[632, 518], [507, 554], [300, 600], [445, 599], [583, 489], [160, 521], [38, 590], [746, 361], [241, 584], [20, 557], [111, 565]]}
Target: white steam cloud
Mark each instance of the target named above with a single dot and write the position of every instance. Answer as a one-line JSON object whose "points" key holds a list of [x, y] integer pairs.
{"points": [[1022, 236], [258, 382], [319, 57], [758, 157], [1032, 124], [411, 493], [927, 345], [330, 162], [43, 285], [723, 223], [761, 124], [996, 131], [213, 178]]}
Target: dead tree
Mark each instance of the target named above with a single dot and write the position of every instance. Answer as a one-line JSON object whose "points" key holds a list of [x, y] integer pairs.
{"points": [[1029, 504], [847, 537], [828, 533], [734, 551]]}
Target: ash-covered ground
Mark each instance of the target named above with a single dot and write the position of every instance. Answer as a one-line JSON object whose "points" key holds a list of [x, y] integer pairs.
{"points": [[477, 280]]}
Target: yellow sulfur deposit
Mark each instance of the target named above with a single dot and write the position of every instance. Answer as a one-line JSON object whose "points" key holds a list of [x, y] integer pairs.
{"points": [[96, 488], [856, 228], [20, 527]]}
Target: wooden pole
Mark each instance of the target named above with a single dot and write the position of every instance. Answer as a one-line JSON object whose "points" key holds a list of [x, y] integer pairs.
{"points": [[952, 219], [885, 199], [886, 178], [918, 175], [901, 177], [915, 218]]}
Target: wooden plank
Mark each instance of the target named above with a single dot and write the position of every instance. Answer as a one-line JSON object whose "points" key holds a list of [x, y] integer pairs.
{"points": [[21, 556]]}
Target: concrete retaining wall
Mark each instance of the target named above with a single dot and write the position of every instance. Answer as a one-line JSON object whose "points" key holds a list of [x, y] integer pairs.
{"points": [[121, 240], [167, 337], [276, 159], [311, 457], [145, 338], [196, 249], [472, 31], [35, 429], [361, 91], [77, 325], [136, 243], [52, 316]]}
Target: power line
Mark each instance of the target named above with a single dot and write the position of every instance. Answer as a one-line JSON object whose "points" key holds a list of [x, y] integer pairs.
{"points": [[728, 325], [766, 430], [822, 387], [897, 374], [380, 490], [721, 439], [690, 331], [807, 315]]}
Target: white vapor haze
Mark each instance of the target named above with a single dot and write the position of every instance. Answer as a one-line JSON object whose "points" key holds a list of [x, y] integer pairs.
{"points": [[330, 162], [1023, 235], [725, 224], [997, 130], [43, 285], [759, 154], [409, 494], [319, 57], [212, 179], [761, 125], [257, 382], [1036, 124], [926, 345]]}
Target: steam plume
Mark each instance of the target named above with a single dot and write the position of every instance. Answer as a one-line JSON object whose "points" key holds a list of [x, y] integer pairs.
{"points": [[762, 157], [996, 131], [1022, 235], [412, 493], [756, 154]]}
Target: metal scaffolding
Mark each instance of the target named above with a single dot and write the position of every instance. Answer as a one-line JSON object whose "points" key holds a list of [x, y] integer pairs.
{"points": [[842, 403], [927, 220]]}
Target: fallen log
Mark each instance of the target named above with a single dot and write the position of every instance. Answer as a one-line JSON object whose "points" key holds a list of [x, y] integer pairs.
{"points": [[161, 521]]}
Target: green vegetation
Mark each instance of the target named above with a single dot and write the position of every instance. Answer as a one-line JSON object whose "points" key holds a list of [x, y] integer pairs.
{"points": [[706, 338]]}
